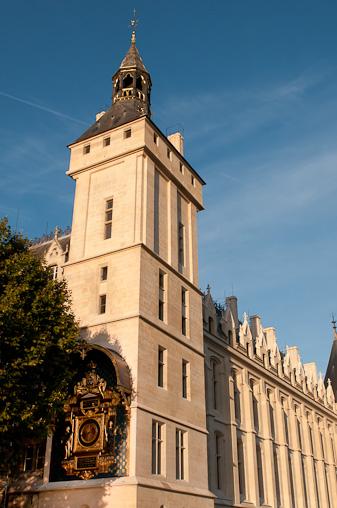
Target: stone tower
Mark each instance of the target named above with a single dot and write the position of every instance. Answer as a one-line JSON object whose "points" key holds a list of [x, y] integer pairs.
{"points": [[132, 269]]}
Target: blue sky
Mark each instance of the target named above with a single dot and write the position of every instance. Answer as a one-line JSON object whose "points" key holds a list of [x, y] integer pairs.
{"points": [[253, 84]]}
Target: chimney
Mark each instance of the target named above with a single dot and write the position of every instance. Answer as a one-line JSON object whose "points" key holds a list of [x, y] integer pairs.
{"points": [[177, 141], [255, 324], [232, 303], [270, 336]]}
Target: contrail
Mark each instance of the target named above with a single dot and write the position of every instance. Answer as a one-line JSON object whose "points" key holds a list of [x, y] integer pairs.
{"points": [[43, 108]]}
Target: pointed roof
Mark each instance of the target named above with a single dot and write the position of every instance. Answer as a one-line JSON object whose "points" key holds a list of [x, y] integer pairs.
{"points": [[123, 111], [132, 58], [331, 371]]}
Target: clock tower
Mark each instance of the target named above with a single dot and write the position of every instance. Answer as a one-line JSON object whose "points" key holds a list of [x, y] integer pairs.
{"points": [[135, 426]]}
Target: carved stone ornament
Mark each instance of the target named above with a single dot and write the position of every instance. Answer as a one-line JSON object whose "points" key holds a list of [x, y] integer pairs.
{"points": [[96, 420]]}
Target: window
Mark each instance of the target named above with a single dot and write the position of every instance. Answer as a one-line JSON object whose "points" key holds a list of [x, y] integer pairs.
{"points": [[185, 374], [218, 458], [181, 245], [155, 138], [193, 180], [106, 142], [102, 304], [161, 366], [285, 421], [236, 396], [86, 149], [181, 167], [260, 472], [54, 271], [184, 311], [127, 133], [169, 154], [157, 444], [214, 382], [255, 404], [271, 413], [180, 454], [104, 273], [181, 235], [241, 469], [34, 457], [276, 454], [108, 218], [156, 193], [162, 296]]}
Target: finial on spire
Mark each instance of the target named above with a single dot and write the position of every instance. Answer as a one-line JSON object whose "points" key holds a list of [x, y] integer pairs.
{"points": [[133, 25]]}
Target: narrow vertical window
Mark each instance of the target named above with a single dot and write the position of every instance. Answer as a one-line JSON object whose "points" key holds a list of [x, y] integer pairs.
{"points": [[236, 396], [255, 405], [218, 458], [156, 212], [104, 273], [162, 296], [184, 311], [161, 366], [180, 454], [157, 443], [291, 477], [260, 472], [181, 245], [185, 379], [241, 470], [277, 475], [155, 138], [108, 218], [54, 271], [214, 382], [28, 464], [271, 413], [102, 304], [127, 133], [181, 235]]}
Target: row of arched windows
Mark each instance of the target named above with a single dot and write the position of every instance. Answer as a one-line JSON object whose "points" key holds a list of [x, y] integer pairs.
{"points": [[282, 433]]}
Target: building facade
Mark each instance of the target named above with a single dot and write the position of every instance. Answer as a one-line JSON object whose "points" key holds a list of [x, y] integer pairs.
{"points": [[177, 403], [271, 419]]}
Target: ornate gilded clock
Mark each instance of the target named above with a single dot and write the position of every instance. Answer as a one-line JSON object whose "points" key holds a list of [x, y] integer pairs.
{"points": [[94, 438]]}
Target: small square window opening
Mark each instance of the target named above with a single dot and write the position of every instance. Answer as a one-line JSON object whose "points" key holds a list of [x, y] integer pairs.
{"points": [[86, 149], [106, 141], [127, 134]]}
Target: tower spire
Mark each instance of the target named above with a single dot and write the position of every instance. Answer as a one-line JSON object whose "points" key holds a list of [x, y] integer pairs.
{"points": [[131, 91]]}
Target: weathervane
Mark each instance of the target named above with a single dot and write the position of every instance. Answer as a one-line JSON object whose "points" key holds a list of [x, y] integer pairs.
{"points": [[133, 25], [334, 323]]}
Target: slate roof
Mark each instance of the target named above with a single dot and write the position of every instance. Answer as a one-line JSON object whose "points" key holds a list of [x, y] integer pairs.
{"points": [[133, 58], [331, 371], [118, 114]]}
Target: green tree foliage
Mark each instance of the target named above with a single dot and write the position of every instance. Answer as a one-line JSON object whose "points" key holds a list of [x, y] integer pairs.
{"points": [[39, 343]]}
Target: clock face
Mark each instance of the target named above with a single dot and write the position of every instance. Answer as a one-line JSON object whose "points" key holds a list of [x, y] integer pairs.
{"points": [[89, 432]]}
